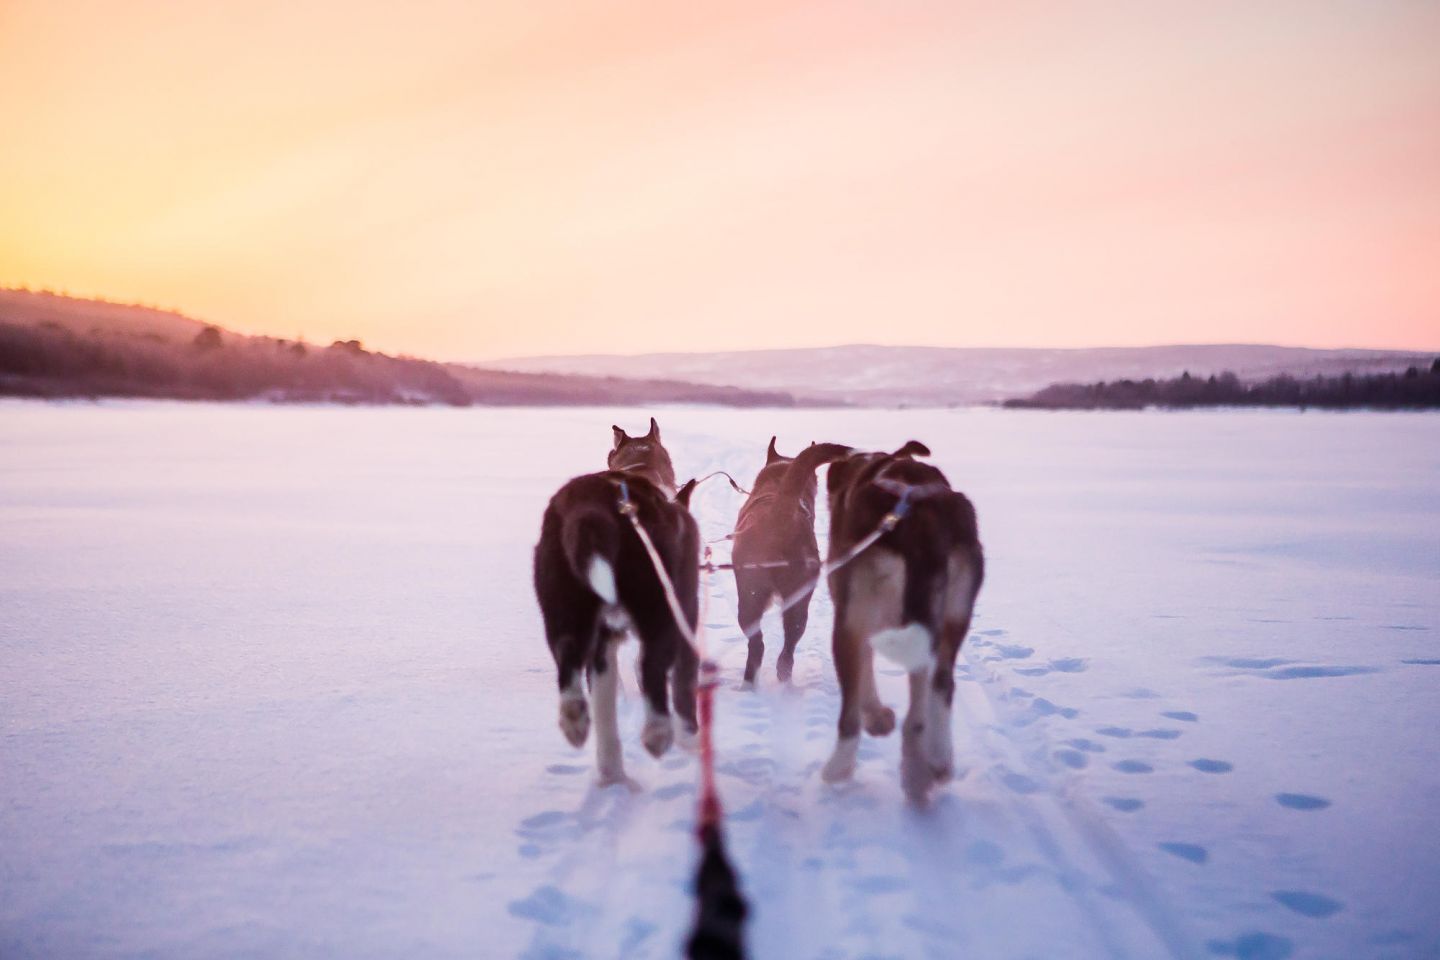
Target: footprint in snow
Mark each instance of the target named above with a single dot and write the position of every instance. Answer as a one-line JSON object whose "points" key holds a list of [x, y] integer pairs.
{"points": [[1206, 765], [1309, 673], [1070, 665], [637, 931], [1119, 733], [1073, 759], [1185, 716], [1186, 851], [550, 906], [1160, 734], [1045, 708], [753, 770], [673, 791], [565, 769], [1014, 652], [1249, 663], [873, 885], [1019, 782], [542, 821], [1134, 766], [1124, 804], [1301, 801], [1253, 946], [984, 853], [990, 633], [1313, 905]]}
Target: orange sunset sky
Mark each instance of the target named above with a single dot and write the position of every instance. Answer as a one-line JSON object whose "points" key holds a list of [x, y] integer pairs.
{"points": [[476, 180]]}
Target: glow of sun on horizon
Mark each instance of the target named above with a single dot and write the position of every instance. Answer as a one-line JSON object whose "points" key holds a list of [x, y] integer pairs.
{"points": [[472, 181]]}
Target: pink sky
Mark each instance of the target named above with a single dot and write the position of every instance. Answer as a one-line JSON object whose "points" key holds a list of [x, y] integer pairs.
{"points": [[469, 181]]}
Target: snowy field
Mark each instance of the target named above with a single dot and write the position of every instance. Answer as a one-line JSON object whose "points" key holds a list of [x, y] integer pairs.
{"points": [[272, 684]]}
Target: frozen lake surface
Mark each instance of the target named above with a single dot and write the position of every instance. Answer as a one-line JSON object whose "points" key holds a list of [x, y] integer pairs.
{"points": [[272, 684]]}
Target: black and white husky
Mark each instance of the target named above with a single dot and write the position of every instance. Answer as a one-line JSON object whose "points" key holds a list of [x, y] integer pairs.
{"points": [[774, 551], [909, 596], [595, 583]]}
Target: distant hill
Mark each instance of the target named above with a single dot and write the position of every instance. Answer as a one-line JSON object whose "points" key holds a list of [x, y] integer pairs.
{"points": [[943, 376], [32, 308], [55, 346], [1417, 388]]}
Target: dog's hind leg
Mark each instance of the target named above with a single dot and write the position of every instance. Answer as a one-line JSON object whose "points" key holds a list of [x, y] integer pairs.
{"points": [[939, 747], [795, 620], [879, 719], [754, 593], [604, 688], [849, 648], [916, 775], [683, 677], [659, 642], [574, 711], [963, 584]]}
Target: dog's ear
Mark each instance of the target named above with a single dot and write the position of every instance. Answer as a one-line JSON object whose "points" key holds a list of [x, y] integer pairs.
{"points": [[682, 496], [620, 436], [912, 448], [654, 433], [771, 454]]}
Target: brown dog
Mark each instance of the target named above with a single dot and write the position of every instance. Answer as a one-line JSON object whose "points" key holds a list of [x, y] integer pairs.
{"points": [[909, 596], [775, 553]]}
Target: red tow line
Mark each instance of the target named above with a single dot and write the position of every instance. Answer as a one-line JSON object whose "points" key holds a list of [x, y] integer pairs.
{"points": [[720, 910]]}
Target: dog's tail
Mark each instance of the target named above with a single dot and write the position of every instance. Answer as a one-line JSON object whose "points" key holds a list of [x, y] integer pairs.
{"points": [[591, 538], [802, 468]]}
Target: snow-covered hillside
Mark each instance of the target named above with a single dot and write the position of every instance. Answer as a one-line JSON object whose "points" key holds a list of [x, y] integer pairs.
{"points": [[872, 375], [272, 684]]}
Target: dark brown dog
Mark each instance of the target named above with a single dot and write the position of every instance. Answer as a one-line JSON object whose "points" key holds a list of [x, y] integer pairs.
{"points": [[775, 552], [909, 596], [595, 582]]}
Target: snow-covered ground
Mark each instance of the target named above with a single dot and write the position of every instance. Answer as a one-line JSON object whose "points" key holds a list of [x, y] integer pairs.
{"points": [[272, 684]]}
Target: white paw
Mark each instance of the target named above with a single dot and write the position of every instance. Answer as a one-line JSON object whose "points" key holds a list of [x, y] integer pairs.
{"points": [[841, 765], [658, 734], [916, 776], [938, 746], [615, 776], [688, 740], [575, 720]]}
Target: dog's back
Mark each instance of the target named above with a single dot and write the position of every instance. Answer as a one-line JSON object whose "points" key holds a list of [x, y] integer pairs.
{"points": [[937, 541]]}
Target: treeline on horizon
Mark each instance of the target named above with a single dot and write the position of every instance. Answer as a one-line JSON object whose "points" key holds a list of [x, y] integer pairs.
{"points": [[58, 360], [1413, 389]]}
